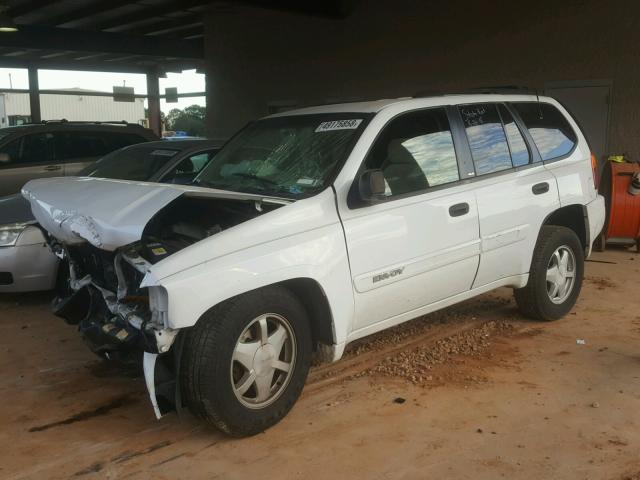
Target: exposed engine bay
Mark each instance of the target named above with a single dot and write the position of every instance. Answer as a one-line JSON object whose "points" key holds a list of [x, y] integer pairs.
{"points": [[188, 220], [103, 294]]}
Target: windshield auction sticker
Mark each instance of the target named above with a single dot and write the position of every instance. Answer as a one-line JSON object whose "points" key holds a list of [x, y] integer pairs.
{"points": [[339, 125]]}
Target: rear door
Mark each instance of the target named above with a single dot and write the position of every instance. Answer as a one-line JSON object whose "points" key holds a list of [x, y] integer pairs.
{"points": [[27, 157], [79, 148], [514, 190], [420, 244]]}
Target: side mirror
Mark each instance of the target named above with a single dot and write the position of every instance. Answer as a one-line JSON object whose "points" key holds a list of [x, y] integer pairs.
{"points": [[371, 186], [5, 158]]}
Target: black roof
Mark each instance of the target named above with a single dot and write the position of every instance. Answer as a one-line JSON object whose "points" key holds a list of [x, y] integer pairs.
{"points": [[48, 126]]}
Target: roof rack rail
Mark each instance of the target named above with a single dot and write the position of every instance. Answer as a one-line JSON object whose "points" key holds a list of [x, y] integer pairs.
{"points": [[428, 93], [505, 89], [90, 122], [514, 89]]}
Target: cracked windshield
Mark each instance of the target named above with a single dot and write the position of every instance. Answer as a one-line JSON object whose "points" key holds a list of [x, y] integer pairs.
{"points": [[290, 156]]}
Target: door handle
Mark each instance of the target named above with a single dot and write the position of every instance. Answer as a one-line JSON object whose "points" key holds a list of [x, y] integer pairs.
{"points": [[52, 168], [540, 188], [459, 209]]}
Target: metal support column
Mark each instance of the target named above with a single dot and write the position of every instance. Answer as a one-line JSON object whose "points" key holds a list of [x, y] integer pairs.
{"points": [[153, 99], [34, 94]]}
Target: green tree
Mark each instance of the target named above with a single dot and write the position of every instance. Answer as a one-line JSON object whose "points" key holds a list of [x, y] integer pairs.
{"points": [[171, 117], [190, 120], [196, 111]]}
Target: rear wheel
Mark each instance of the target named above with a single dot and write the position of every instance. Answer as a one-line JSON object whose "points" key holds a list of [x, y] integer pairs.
{"points": [[246, 361], [555, 277]]}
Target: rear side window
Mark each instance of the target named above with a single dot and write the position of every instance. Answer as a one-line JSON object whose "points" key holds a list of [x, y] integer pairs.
{"points": [[488, 142], [87, 144], [78, 145], [550, 130], [28, 149], [415, 151]]}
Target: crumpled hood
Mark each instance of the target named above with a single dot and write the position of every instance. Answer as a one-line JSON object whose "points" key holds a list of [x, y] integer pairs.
{"points": [[106, 213]]}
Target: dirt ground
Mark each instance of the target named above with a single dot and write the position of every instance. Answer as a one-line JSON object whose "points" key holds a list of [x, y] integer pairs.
{"points": [[474, 391]]}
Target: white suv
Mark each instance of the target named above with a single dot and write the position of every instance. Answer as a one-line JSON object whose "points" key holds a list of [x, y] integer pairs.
{"points": [[315, 227]]}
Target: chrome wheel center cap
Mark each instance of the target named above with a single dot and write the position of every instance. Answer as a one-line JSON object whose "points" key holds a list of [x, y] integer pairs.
{"points": [[263, 360]]}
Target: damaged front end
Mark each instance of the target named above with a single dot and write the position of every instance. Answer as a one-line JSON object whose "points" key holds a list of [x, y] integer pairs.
{"points": [[109, 235], [117, 318]]}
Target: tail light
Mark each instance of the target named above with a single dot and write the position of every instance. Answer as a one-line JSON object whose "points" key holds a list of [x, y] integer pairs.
{"points": [[594, 168]]}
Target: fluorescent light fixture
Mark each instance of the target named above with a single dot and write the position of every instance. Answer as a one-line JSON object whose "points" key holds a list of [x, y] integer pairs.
{"points": [[6, 23]]}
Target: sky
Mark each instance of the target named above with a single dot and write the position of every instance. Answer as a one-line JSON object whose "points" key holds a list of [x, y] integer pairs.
{"points": [[186, 82]]}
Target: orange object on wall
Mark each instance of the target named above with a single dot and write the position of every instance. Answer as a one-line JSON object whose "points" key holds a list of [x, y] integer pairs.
{"points": [[623, 209]]}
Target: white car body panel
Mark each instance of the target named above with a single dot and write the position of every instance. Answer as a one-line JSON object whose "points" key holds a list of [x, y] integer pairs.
{"points": [[516, 281], [420, 265], [301, 240], [510, 218], [442, 253], [573, 174], [596, 213]]}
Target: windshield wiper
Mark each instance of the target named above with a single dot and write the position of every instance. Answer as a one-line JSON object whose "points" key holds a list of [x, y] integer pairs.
{"points": [[252, 176], [254, 190], [206, 183]]}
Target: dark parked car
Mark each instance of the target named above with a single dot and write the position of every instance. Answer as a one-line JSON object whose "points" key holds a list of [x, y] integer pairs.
{"points": [[26, 262], [60, 148]]}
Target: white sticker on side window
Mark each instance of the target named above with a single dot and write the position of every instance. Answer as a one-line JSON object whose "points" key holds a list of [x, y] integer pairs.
{"points": [[339, 125]]}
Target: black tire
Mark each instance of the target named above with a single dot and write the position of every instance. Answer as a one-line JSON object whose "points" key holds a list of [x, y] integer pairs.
{"points": [[207, 360], [533, 300]]}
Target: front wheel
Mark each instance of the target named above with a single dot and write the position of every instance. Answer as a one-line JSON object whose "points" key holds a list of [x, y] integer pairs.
{"points": [[245, 362], [555, 277]]}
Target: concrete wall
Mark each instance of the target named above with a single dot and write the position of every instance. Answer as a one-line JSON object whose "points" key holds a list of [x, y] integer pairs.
{"points": [[389, 49]]}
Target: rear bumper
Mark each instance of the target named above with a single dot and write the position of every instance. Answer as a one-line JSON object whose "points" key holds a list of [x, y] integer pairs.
{"points": [[596, 214], [26, 268]]}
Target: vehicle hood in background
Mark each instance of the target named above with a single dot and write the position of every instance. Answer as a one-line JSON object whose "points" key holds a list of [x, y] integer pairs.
{"points": [[15, 209], [106, 213]]}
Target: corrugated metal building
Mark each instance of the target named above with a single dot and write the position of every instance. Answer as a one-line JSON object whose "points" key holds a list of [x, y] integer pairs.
{"points": [[14, 108]]}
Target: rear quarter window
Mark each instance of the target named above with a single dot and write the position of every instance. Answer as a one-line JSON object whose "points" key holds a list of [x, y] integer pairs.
{"points": [[91, 144], [550, 130]]}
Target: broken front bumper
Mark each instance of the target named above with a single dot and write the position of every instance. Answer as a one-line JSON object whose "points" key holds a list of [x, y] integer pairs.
{"points": [[125, 324], [110, 326]]}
